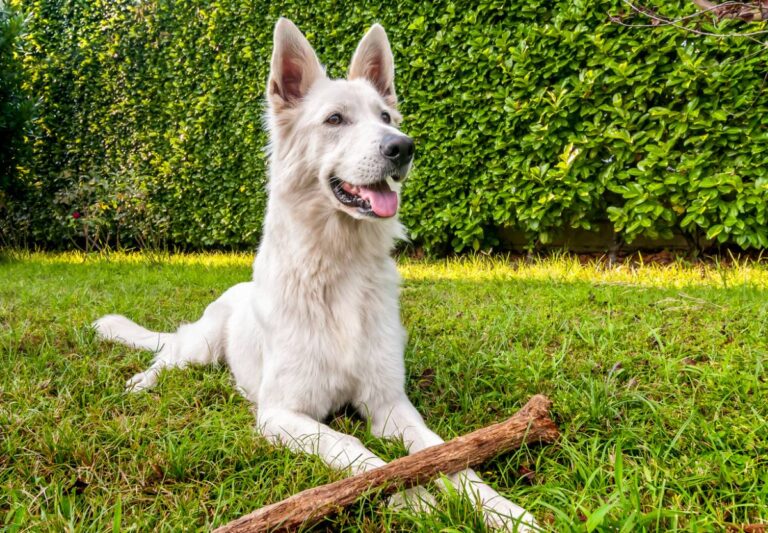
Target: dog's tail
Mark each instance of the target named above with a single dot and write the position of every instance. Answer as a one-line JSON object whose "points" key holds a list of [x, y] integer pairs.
{"points": [[198, 343], [118, 328]]}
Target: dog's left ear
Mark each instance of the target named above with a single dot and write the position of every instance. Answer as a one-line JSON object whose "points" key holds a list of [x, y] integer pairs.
{"points": [[374, 62]]}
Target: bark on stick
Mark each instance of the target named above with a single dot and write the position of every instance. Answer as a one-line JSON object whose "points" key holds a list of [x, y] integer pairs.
{"points": [[532, 424]]}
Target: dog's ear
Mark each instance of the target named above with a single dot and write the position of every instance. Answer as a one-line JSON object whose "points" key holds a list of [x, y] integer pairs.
{"points": [[294, 68], [373, 61]]}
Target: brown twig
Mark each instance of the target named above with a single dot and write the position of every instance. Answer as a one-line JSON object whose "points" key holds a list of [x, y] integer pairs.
{"points": [[744, 11], [532, 424], [750, 12]]}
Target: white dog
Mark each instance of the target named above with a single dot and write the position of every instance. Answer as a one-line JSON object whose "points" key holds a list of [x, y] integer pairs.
{"points": [[319, 325]]}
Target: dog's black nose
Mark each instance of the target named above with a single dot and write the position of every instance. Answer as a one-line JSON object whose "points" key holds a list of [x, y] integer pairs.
{"points": [[397, 148]]}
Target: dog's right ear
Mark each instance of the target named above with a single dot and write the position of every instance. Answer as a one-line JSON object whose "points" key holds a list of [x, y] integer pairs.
{"points": [[294, 68]]}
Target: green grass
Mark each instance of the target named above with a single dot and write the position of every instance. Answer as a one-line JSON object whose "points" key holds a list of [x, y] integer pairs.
{"points": [[657, 375]]}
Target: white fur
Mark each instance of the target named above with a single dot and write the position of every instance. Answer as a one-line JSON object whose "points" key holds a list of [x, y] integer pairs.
{"points": [[319, 325]]}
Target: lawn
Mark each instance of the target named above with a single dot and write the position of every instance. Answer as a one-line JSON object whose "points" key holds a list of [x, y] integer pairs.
{"points": [[657, 374]]}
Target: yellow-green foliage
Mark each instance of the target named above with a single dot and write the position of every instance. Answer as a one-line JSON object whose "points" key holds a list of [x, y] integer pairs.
{"points": [[534, 115]]}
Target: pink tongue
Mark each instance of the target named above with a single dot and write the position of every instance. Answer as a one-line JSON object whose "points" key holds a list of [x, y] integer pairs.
{"points": [[383, 200]]}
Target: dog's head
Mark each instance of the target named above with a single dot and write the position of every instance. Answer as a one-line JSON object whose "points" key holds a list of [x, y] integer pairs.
{"points": [[337, 140]]}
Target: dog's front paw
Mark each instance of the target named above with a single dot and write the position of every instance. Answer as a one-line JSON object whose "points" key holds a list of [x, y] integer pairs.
{"points": [[107, 326], [141, 381], [502, 515], [417, 499]]}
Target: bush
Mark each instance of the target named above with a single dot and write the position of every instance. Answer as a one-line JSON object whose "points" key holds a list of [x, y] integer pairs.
{"points": [[15, 107], [529, 115]]}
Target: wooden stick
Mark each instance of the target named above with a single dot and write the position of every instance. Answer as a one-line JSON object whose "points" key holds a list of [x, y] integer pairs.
{"points": [[532, 424]]}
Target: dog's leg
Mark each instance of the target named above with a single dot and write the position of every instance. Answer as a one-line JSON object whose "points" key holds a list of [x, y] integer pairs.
{"points": [[199, 343], [192, 344], [302, 433], [400, 419]]}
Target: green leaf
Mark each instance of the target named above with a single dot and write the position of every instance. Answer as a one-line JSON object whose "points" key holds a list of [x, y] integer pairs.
{"points": [[595, 519]]}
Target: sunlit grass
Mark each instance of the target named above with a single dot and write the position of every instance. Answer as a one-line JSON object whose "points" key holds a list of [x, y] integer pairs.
{"points": [[679, 273], [559, 267], [657, 374]]}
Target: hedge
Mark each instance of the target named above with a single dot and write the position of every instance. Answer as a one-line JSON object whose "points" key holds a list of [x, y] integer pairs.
{"points": [[527, 115], [15, 106]]}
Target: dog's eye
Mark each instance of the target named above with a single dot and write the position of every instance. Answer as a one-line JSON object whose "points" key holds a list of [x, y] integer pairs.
{"points": [[334, 120], [385, 117]]}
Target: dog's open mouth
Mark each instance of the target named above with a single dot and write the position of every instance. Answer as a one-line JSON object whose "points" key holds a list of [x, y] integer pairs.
{"points": [[376, 200]]}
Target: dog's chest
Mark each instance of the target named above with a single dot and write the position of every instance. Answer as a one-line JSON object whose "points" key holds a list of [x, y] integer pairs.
{"points": [[332, 341]]}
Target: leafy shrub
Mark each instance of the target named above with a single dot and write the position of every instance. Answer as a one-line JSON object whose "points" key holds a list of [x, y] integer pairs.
{"points": [[15, 106], [529, 115]]}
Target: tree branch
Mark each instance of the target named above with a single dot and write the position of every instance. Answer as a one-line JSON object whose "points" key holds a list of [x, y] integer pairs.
{"points": [[748, 12], [532, 424]]}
